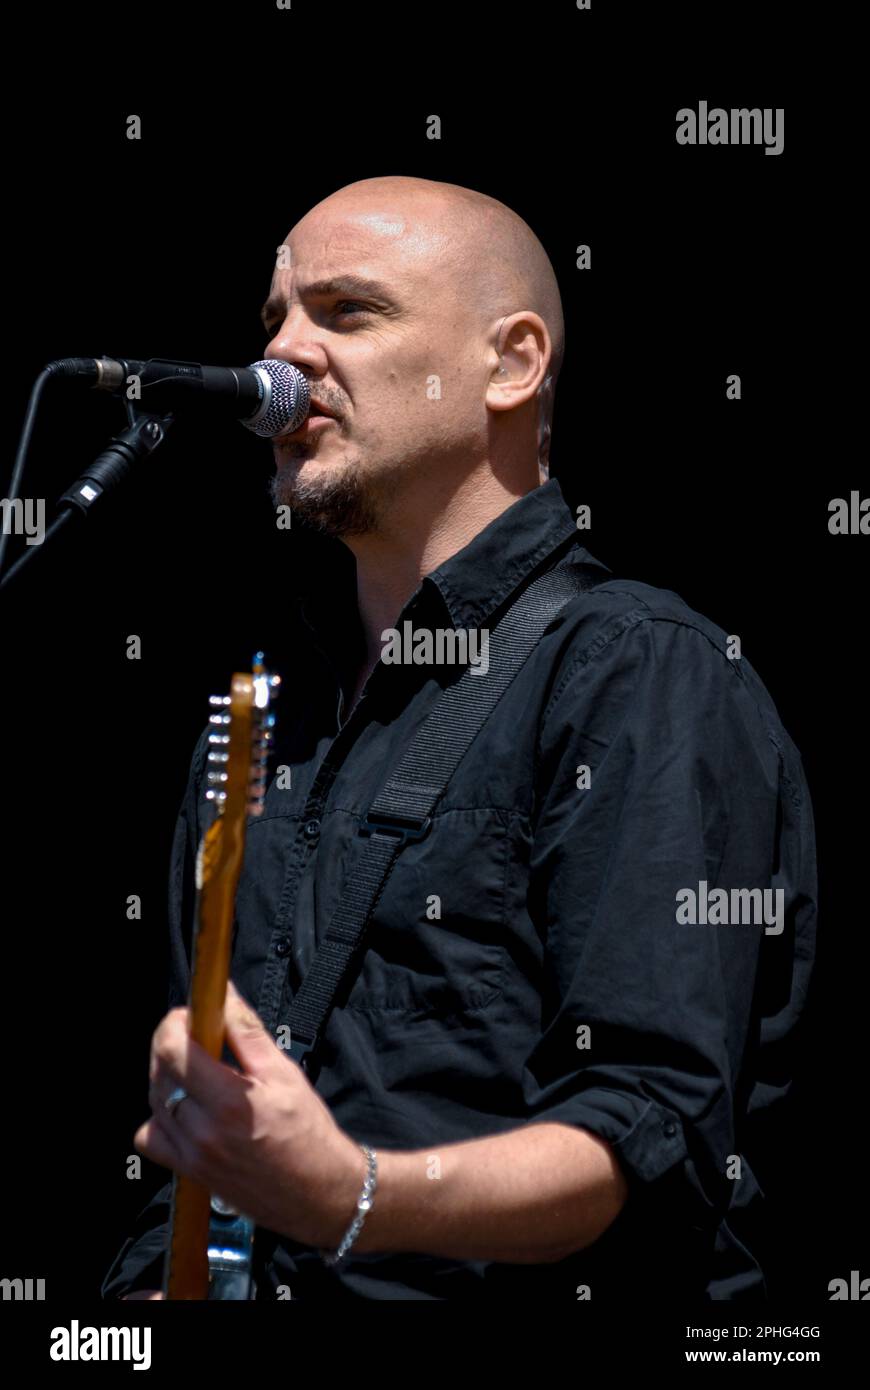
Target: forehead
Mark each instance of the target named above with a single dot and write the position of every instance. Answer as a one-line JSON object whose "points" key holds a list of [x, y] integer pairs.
{"points": [[394, 244]]}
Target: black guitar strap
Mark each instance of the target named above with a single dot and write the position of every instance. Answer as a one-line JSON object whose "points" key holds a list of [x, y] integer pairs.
{"points": [[402, 810]]}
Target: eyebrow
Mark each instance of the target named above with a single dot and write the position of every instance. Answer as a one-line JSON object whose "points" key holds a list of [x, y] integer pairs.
{"points": [[340, 284]]}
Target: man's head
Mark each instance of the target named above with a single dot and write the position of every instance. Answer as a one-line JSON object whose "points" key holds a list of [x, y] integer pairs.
{"points": [[444, 364]]}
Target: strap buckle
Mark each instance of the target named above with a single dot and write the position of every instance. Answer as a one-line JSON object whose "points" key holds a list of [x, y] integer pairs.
{"points": [[406, 828], [299, 1048]]}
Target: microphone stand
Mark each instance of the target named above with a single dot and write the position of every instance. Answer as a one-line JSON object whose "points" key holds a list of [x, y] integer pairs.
{"points": [[141, 437]]}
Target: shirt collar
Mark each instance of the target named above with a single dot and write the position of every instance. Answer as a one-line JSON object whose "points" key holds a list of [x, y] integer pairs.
{"points": [[477, 580]]}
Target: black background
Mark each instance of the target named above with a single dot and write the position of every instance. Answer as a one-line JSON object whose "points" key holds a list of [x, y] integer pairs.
{"points": [[705, 262]]}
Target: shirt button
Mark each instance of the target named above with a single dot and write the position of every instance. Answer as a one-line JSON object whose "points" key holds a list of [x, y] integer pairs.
{"points": [[282, 946], [670, 1129], [312, 830]]}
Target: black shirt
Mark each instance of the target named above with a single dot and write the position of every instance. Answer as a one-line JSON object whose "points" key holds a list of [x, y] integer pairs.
{"points": [[559, 912]]}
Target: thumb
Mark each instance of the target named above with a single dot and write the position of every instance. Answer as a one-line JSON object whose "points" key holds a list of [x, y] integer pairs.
{"points": [[253, 1047]]}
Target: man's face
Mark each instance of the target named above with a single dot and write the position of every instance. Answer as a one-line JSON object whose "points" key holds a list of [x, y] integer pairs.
{"points": [[399, 360]]}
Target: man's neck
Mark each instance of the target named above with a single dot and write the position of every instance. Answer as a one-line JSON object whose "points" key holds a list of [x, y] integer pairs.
{"points": [[412, 541]]}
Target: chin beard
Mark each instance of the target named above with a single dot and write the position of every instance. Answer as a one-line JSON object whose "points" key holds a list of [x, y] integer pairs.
{"points": [[337, 503]]}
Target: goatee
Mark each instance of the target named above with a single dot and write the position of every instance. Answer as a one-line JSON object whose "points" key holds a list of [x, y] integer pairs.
{"points": [[338, 503]]}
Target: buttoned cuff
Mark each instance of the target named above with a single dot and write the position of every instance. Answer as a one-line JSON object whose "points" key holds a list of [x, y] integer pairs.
{"points": [[650, 1143], [648, 1138]]}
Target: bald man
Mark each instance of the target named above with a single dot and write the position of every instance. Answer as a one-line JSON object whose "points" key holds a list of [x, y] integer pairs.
{"points": [[441, 390], [556, 1074]]}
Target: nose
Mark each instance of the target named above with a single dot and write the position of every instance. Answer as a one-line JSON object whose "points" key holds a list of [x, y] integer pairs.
{"points": [[295, 342]]}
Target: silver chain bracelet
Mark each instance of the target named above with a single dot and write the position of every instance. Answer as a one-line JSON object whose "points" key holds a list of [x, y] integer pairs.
{"points": [[363, 1205]]}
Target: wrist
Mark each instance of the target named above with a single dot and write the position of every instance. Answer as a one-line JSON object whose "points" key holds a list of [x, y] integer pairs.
{"points": [[340, 1206], [391, 1226], [365, 1198]]}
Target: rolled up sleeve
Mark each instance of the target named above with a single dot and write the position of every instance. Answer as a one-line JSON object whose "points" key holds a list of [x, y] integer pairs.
{"points": [[648, 1020]]}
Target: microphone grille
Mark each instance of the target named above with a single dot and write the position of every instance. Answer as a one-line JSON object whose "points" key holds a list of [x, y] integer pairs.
{"points": [[286, 399]]}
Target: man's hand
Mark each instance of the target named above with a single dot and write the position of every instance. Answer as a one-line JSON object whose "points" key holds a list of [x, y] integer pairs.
{"points": [[260, 1138]]}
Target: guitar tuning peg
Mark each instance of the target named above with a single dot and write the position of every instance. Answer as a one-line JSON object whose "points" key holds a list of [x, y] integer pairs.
{"points": [[219, 699]]}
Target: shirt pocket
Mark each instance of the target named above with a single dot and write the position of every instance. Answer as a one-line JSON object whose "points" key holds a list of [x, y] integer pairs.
{"points": [[435, 945]]}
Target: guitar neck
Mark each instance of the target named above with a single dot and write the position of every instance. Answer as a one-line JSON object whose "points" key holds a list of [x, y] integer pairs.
{"points": [[237, 773]]}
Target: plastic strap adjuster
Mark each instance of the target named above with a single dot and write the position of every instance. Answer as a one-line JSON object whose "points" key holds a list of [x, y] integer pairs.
{"points": [[405, 828], [300, 1048]]}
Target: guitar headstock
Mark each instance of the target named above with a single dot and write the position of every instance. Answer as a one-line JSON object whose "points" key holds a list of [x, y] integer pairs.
{"points": [[239, 743]]}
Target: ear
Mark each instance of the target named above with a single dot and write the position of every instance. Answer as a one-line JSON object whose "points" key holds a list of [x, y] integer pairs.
{"points": [[523, 353]]}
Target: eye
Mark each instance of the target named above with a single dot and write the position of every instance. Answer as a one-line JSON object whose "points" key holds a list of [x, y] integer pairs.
{"points": [[272, 328]]}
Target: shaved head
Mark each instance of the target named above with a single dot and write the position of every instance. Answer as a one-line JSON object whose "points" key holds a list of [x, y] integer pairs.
{"points": [[459, 344], [484, 249], [489, 254]]}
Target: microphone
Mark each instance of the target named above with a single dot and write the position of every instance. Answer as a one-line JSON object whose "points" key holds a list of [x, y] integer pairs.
{"points": [[270, 398]]}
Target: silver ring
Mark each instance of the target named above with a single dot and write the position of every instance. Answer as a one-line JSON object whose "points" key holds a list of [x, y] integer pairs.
{"points": [[174, 1099]]}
